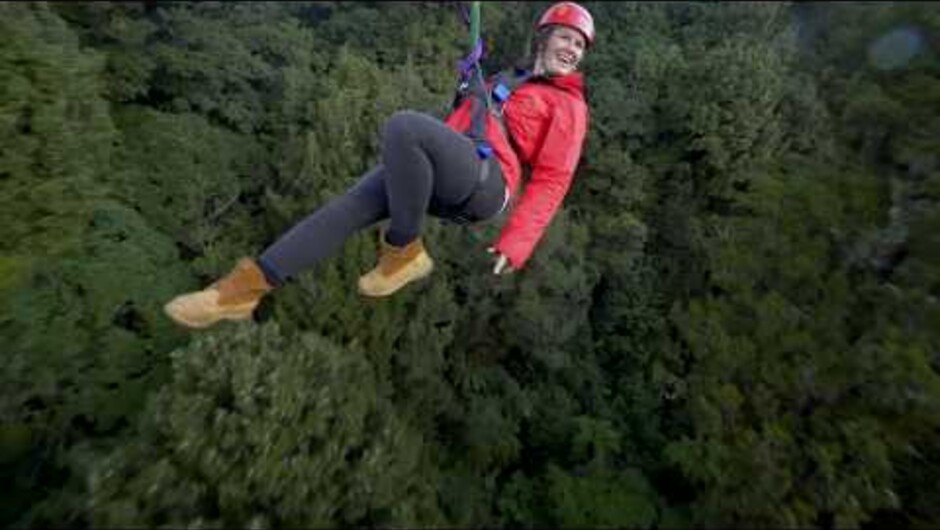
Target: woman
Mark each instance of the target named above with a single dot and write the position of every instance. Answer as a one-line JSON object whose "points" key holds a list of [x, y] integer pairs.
{"points": [[435, 167]]}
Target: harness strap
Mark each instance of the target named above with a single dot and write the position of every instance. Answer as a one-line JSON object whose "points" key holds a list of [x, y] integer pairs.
{"points": [[486, 100], [490, 101]]}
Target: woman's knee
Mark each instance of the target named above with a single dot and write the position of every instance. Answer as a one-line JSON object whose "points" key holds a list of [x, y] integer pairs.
{"points": [[403, 128]]}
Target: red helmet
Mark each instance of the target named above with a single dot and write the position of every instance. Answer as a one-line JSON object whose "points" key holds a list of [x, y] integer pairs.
{"points": [[572, 15]]}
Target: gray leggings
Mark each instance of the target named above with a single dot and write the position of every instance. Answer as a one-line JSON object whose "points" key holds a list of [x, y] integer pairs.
{"points": [[426, 167]]}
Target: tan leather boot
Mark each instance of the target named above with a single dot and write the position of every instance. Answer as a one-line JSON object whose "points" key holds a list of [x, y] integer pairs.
{"points": [[233, 297], [397, 267]]}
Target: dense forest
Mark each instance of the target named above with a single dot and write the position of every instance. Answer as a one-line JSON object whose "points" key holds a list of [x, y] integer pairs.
{"points": [[733, 321]]}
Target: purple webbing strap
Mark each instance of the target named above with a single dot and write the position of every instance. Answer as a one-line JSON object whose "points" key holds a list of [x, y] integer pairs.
{"points": [[465, 65]]}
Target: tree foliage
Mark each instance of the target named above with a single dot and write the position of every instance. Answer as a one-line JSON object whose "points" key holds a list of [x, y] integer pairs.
{"points": [[733, 320]]}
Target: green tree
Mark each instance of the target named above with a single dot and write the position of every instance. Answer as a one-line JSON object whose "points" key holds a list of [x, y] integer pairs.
{"points": [[190, 180], [261, 428], [79, 308], [796, 381]]}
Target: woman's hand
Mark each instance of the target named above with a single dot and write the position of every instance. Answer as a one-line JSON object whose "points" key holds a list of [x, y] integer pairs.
{"points": [[502, 262]]}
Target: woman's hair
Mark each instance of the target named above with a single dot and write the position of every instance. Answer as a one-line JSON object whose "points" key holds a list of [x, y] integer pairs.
{"points": [[536, 44]]}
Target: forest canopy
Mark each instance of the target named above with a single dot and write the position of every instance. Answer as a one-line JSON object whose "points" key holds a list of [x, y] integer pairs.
{"points": [[732, 322]]}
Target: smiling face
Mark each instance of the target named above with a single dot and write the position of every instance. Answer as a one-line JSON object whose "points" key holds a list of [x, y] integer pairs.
{"points": [[561, 53]]}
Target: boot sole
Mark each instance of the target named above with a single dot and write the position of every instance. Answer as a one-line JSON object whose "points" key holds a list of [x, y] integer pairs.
{"points": [[392, 290], [236, 313]]}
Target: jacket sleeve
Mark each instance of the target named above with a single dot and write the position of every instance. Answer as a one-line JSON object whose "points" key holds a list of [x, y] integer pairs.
{"points": [[552, 172]]}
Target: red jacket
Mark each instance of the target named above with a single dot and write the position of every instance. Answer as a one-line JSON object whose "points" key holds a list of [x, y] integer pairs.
{"points": [[548, 120]]}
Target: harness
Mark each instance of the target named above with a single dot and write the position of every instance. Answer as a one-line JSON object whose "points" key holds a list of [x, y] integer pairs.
{"points": [[488, 100]]}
